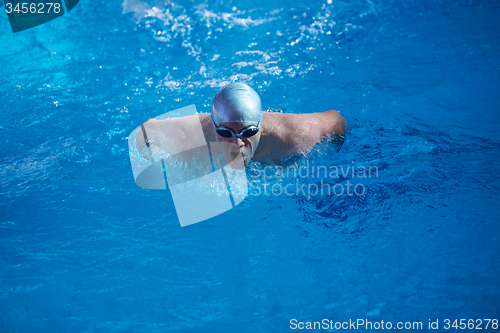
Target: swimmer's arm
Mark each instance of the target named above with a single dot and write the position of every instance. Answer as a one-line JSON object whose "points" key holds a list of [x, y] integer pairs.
{"points": [[333, 126], [168, 137], [146, 133], [154, 138]]}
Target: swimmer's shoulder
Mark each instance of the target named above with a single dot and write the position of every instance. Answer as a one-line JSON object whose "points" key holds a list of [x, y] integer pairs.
{"points": [[278, 120], [321, 123], [182, 124], [283, 130], [287, 124], [183, 127], [207, 126], [304, 130]]}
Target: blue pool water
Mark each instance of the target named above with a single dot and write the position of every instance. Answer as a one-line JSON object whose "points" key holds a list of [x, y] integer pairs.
{"points": [[83, 249]]}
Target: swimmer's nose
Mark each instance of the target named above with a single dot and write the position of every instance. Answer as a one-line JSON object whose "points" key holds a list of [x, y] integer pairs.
{"points": [[238, 141]]}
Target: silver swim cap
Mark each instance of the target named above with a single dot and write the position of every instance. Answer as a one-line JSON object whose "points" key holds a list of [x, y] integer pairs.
{"points": [[237, 102]]}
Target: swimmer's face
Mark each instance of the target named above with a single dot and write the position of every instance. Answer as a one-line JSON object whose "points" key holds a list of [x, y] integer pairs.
{"points": [[238, 151]]}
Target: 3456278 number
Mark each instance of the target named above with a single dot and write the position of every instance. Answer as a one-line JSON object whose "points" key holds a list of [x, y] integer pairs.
{"points": [[470, 324], [40, 8]]}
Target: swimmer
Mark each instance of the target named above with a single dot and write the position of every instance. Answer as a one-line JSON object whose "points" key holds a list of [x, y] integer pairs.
{"points": [[242, 131]]}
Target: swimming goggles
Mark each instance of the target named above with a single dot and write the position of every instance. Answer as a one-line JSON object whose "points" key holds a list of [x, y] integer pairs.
{"points": [[229, 133]]}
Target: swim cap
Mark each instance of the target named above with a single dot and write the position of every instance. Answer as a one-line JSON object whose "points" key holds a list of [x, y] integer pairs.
{"points": [[237, 102]]}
